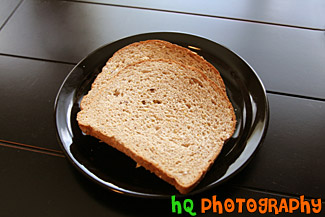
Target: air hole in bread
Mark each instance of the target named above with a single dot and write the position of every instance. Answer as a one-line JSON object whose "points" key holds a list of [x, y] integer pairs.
{"points": [[152, 90], [186, 145], [195, 81], [116, 92], [143, 102], [156, 101]]}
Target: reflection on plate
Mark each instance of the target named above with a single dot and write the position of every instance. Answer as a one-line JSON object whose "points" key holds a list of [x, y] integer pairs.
{"points": [[114, 170]]}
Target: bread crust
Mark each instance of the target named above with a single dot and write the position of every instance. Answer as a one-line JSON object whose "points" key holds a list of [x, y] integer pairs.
{"points": [[113, 142]]}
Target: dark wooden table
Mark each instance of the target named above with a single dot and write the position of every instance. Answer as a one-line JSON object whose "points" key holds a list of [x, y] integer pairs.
{"points": [[41, 41]]}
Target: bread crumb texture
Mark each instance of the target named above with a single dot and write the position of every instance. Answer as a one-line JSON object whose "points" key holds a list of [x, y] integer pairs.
{"points": [[169, 117]]}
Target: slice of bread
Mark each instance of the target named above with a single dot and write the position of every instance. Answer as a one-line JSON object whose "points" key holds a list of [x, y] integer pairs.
{"points": [[170, 118], [157, 49]]}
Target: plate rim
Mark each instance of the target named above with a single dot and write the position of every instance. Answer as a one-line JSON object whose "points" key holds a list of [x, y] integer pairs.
{"points": [[123, 191]]}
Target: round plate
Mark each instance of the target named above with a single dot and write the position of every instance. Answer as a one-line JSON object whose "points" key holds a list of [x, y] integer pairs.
{"points": [[114, 170]]}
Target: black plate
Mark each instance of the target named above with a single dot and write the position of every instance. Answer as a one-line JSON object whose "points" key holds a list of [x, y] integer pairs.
{"points": [[115, 171]]}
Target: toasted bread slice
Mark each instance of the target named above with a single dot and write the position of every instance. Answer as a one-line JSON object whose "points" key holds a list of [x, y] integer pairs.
{"points": [[157, 49], [168, 117]]}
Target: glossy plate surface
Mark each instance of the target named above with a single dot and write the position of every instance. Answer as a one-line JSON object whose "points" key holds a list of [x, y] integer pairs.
{"points": [[114, 170]]}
